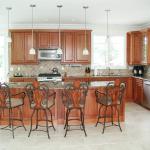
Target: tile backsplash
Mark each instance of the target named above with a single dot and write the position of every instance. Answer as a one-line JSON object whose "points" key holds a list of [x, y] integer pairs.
{"points": [[46, 67]]}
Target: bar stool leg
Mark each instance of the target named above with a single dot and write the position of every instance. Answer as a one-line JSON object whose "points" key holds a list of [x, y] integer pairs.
{"points": [[99, 116], [104, 119], [67, 116], [37, 118], [11, 124], [31, 122], [112, 114], [65, 120], [46, 123], [52, 119], [82, 121], [118, 119], [21, 117]]}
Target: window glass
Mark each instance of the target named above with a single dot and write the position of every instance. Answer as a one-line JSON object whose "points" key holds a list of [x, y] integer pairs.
{"points": [[109, 55], [3, 59]]}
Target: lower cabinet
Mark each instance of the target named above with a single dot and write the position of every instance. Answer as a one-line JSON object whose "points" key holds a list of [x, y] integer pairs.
{"points": [[138, 90]]}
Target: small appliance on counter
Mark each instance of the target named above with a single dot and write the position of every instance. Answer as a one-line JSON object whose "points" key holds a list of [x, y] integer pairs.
{"points": [[138, 71]]}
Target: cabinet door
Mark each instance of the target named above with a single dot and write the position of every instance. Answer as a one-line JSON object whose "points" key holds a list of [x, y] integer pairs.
{"points": [[54, 40], [80, 45], [43, 40], [148, 48], [128, 40], [68, 47], [28, 44], [17, 48], [138, 90], [136, 48]]}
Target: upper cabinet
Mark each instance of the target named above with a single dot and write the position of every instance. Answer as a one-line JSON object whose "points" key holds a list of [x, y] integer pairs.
{"points": [[48, 40], [134, 48], [68, 46], [21, 43], [73, 43], [138, 47], [148, 46], [80, 45]]}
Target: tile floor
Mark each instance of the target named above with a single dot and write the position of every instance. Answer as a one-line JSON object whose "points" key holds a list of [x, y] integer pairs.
{"points": [[135, 136]]}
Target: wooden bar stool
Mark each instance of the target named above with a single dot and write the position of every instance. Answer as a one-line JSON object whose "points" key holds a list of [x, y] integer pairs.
{"points": [[41, 98], [10, 102], [111, 98], [74, 97]]}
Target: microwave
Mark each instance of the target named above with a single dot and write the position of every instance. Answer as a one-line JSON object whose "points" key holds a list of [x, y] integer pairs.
{"points": [[48, 54]]}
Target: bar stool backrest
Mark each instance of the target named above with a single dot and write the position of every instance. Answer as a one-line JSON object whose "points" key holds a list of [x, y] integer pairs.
{"points": [[115, 92], [40, 96], [4, 95], [75, 96]]}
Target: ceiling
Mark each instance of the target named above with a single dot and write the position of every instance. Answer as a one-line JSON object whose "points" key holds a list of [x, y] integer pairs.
{"points": [[124, 12]]}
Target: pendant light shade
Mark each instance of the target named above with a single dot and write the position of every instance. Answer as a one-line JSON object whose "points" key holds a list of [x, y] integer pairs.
{"points": [[85, 50], [32, 51], [8, 24], [59, 50]]}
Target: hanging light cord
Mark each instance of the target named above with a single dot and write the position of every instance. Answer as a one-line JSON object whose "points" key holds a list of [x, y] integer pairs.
{"points": [[32, 6], [8, 19], [32, 23], [59, 26], [107, 12], [85, 7]]}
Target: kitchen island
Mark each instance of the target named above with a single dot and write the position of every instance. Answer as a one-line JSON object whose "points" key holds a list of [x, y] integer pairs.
{"points": [[58, 110]]}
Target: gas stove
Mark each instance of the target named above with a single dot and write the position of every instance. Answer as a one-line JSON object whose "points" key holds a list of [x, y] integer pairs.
{"points": [[49, 77]]}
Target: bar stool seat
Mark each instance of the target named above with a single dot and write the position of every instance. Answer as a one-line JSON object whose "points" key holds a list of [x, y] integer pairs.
{"points": [[15, 102]]}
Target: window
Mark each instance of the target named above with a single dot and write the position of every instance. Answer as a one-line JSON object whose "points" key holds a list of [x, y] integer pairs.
{"points": [[3, 59], [102, 57]]}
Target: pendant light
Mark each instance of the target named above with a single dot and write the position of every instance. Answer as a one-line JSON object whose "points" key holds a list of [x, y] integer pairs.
{"points": [[59, 50], [8, 23], [108, 44], [32, 51], [85, 50]]}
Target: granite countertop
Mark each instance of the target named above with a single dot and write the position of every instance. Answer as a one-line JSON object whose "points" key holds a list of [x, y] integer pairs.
{"points": [[58, 85], [103, 76]]}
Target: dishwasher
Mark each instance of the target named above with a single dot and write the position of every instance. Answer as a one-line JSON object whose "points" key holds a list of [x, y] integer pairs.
{"points": [[146, 100]]}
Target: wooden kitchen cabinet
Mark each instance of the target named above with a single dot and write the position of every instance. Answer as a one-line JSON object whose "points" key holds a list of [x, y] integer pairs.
{"points": [[148, 46], [68, 47], [48, 40], [17, 48], [80, 45], [21, 44], [134, 48], [138, 90], [73, 43]]}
